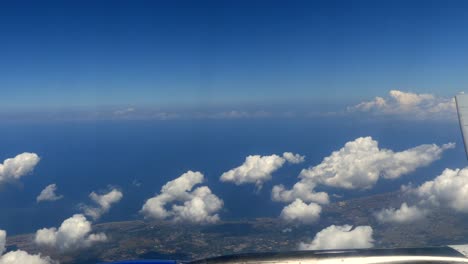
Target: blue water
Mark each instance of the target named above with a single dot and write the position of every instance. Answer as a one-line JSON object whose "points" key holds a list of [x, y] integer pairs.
{"points": [[81, 157]]}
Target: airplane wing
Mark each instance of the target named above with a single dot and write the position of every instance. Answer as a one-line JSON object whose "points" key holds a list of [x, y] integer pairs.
{"points": [[440, 255], [461, 101]]}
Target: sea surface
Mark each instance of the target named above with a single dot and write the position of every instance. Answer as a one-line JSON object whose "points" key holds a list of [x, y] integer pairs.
{"points": [[140, 156]]}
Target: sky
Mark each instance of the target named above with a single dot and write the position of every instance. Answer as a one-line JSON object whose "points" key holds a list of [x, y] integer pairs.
{"points": [[249, 90], [62, 54]]}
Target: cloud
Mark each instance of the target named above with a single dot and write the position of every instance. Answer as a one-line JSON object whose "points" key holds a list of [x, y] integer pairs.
{"points": [[341, 237], [48, 194], [19, 256], [22, 257], [258, 169], [104, 202], [360, 163], [232, 114], [448, 189], [19, 166], [197, 206], [73, 233], [125, 111], [404, 214], [301, 212], [303, 190], [409, 106], [293, 158]]}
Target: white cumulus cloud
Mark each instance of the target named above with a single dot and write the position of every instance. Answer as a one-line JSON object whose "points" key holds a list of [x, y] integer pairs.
{"points": [[104, 203], [293, 158], [341, 237], [73, 233], [360, 163], [409, 106], [258, 169], [19, 166], [404, 214], [179, 203], [301, 212], [23, 257], [19, 256], [448, 189], [303, 190], [48, 194]]}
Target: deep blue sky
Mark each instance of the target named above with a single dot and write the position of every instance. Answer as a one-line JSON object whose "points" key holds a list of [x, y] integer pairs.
{"points": [[88, 53]]}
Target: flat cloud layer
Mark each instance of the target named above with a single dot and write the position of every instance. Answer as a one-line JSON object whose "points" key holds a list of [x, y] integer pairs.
{"points": [[104, 202], [409, 106], [301, 212], [197, 206], [73, 233], [341, 237], [48, 194], [258, 169], [404, 214], [19, 256], [19, 166]]}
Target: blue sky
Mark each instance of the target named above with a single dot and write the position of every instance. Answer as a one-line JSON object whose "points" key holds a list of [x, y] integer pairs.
{"points": [[178, 53]]}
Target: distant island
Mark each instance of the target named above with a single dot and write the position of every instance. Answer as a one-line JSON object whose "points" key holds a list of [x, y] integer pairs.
{"points": [[165, 240]]}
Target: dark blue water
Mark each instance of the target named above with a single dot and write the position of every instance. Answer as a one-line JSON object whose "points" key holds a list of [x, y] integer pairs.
{"points": [[86, 156]]}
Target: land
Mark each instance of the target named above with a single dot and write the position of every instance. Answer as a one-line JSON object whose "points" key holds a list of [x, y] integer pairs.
{"points": [[165, 240]]}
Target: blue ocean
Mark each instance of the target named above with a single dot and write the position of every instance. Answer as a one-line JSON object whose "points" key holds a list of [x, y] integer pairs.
{"points": [[140, 156]]}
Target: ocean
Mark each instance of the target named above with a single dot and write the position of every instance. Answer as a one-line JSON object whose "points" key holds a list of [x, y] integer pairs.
{"points": [[140, 156]]}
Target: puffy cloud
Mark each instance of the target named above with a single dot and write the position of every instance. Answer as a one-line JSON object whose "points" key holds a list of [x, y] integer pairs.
{"points": [[448, 189], [198, 206], [19, 256], [104, 202], [258, 169], [48, 194], [341, 237], [22, 257], [361, 162], [17, 167], [293, 158], [358, 165], [409, 105], [303, 190], [73, 233], [404, 214], [2, 241], [301, 212]]}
